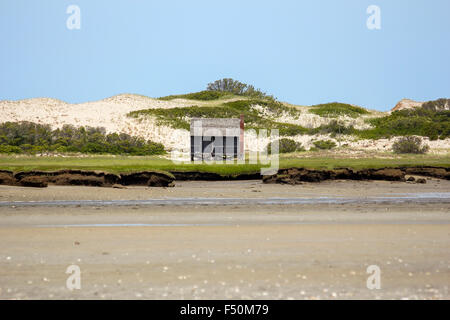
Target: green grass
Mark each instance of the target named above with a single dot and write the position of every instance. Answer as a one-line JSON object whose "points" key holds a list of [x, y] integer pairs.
{"points": [[327, 161], [311, 160], [116, 164], [335, 109]]}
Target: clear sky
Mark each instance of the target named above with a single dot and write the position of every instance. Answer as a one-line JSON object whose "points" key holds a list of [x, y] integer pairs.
{"points": [[303, 52]]}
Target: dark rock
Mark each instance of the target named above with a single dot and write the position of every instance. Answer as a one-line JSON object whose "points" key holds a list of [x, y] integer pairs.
{"points": [[421, 180], [211, 176], [7, 177], [440, 173], [269, 179], [36, 182], [344, 174], [411, 179], [73, 177], [77, 180], [111, 179], [194, 176], [387, 174], [159, 181], [298, 175], [304, 175], [246, 176], [146, 178]]}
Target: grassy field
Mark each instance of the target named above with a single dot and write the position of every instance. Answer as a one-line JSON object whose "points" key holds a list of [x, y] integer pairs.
{"points": [[311, 160]]}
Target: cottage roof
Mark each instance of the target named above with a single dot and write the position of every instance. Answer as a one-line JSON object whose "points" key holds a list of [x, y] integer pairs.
{"points": [[215, 126]]}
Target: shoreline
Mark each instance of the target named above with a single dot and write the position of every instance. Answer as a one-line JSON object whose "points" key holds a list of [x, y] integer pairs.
{"points": [[156, 178], [246, 251]]}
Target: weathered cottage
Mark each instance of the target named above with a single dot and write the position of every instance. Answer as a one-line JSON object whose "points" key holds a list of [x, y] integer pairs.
{"points": [[217, 138]]}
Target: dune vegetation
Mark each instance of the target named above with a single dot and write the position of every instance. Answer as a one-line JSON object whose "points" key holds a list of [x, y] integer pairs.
{"points": [[31, 138], [137, 125], [419, 121], [178, 118], [335, 109]]}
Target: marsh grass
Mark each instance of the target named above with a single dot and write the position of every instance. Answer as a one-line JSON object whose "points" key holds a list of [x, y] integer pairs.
{"points": [[311, 160]]}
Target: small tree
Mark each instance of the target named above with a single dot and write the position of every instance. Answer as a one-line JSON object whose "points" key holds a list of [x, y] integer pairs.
{"points": [[324, 144], [286, 146], [238, 88], [409, 144]]}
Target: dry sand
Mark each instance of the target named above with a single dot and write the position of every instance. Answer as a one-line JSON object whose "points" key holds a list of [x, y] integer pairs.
{"points": [[308, 251]]}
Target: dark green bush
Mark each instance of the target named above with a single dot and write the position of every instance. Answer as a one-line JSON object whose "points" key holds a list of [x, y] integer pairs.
{"points": [[223, 88], [238, 88], [28, 137], [336, 109], [288, 129], [324, 144], [9, 149], [334, 127], [286, 146], [418, 121], [409, 144]]}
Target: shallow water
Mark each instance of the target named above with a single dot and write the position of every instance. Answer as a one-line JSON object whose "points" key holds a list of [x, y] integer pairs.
{"points": [[108, 225], [431, 197]]}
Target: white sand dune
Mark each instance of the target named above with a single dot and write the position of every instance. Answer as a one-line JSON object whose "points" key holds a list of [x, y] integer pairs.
{"points": [[111, 113]]}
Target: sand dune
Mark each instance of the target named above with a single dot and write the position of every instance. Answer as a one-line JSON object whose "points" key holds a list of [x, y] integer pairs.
{"points": [[111, 113]]}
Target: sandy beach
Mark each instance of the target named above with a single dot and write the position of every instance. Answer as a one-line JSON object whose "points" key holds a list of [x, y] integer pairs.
{"points": [[213, 251]]}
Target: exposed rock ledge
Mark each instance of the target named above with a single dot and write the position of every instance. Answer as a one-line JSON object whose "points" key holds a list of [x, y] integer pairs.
{"points": [[299, 175], [42, 179], [85, 178]]}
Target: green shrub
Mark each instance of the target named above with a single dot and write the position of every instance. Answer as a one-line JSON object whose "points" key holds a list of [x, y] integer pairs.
{"points": [[238, 88], [220, 89], [286, 146], [288, 129], [28, 137], [418, 122], [9, 149], [334, 127], [409, 144], [324, 144], [336, 109]]}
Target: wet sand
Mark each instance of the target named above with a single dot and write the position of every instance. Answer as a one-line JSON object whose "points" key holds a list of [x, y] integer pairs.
{"points": [[258, 251]]}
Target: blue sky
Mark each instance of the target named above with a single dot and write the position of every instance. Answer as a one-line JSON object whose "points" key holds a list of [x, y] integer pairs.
{"points": [[303, 52]]}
